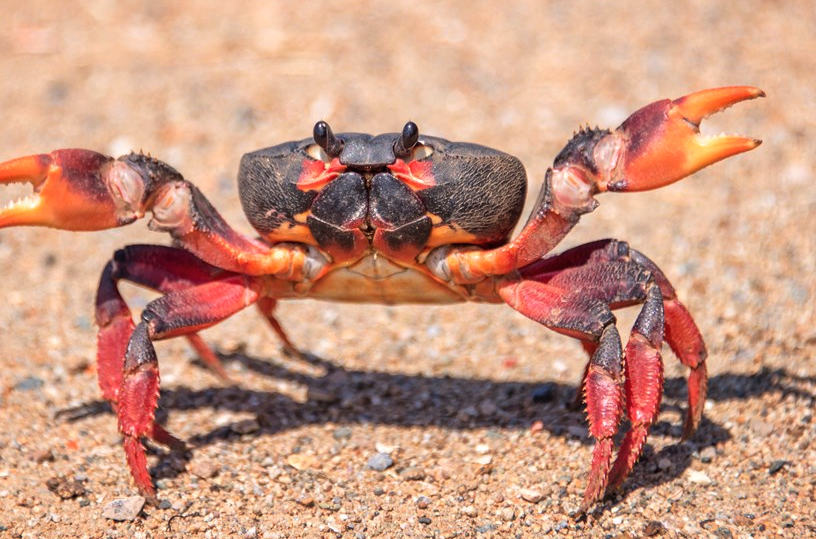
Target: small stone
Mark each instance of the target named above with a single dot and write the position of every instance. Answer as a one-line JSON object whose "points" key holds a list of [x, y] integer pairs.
{"points": [[246, 426], [664, 463], [204, 469], [507, 514], [65, 488], [45, 455], [531, 495], [385, 448], [342, 433], [776, 466], [699, 478], [305, 500], [412, 473], [423, 502], [544, 393], [763, 428], [708, 454], [469, 511], [29, 384], [424, 520], [164, 505], [654, 528], [301, 462], [124, 508], [380, 462]]}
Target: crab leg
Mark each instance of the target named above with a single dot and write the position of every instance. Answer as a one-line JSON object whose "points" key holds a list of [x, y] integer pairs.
{"points": [[657, 145], [85, 190], [589, 319], [177, 313], [680, 330]]}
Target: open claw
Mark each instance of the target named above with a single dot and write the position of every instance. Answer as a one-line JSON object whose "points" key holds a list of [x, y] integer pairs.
{"points": [[661, 143], [73, 190]]}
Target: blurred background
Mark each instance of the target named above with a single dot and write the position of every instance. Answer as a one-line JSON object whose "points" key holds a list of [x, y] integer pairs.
{"points": [[197, 84]]}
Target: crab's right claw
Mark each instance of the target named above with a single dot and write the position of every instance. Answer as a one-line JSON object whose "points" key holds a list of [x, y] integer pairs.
{"points": [[661, 143], [73, 190]]}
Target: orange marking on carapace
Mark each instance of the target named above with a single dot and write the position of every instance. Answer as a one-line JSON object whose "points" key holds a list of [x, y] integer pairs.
{"points": [[316, 174], [417, 175]]}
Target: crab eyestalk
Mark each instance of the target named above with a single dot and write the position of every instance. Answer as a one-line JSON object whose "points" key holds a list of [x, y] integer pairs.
{"points": [[73, 190], [661, 143]]}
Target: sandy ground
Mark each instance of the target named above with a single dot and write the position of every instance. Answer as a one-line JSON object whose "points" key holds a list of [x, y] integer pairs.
{"points": [[451, 393]]}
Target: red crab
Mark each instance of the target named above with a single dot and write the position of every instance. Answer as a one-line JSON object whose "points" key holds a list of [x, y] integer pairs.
{"points": [[394, 218]]}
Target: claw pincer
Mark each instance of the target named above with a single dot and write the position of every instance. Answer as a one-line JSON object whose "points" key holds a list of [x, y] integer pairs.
{"points": [[73, 190], [661, 143]]}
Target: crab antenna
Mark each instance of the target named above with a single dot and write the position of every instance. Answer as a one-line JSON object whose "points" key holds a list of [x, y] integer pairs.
{"points": [[408, 139], [324, 137]]}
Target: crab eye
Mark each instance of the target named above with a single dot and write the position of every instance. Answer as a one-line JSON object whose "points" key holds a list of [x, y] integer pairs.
{"points": [[407, 140], [324, 138]]}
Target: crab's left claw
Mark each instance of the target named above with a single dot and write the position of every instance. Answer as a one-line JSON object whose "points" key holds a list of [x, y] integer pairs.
{"points": [[73, 190], [661, 143]]}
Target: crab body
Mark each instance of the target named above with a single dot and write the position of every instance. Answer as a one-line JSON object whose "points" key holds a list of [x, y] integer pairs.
{"points": [[378, 215], [394, 218]]}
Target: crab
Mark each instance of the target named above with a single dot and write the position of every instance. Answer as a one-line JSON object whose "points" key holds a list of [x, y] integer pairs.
{"points": [[394, 218]]}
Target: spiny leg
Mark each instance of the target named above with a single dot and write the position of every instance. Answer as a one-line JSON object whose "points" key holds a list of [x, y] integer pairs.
{"points": [[680, 330], [685, 340], [160, 268], [585, 319], [177, 313]]}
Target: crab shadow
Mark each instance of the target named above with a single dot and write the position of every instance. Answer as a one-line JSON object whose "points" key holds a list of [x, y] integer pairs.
{"points": [[347, 397]]}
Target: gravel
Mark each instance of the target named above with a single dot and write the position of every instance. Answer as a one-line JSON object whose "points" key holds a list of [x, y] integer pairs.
{"points": [[473, 402]]}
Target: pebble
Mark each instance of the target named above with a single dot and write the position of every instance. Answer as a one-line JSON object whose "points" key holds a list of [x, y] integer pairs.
{"points": [[65, 488], [776, 466], [423, 502], [246, 426], [531, 495], [204, 469], [380, 462], [708, 454], [699, 478], [507, 514], [342, 433], [664, 463], [544, 393], [412, 473], [469, 511], [124, 508], [29, 384]]}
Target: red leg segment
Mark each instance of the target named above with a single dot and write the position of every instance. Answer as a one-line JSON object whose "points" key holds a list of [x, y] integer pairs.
{"points": [[680, 330], [586, 319], [178, 313], [573, 294]]}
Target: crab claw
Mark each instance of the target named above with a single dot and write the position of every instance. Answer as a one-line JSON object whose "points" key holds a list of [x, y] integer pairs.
{"points": [[661, 143], [73, 190]]}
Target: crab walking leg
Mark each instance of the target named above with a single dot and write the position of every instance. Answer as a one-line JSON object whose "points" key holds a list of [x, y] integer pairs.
{"points": [[616, 283], [656, 146], [587, 319], [680, 330], [685, 340], [85, 190], [160, 268], [266, 306], [178, 313]]}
